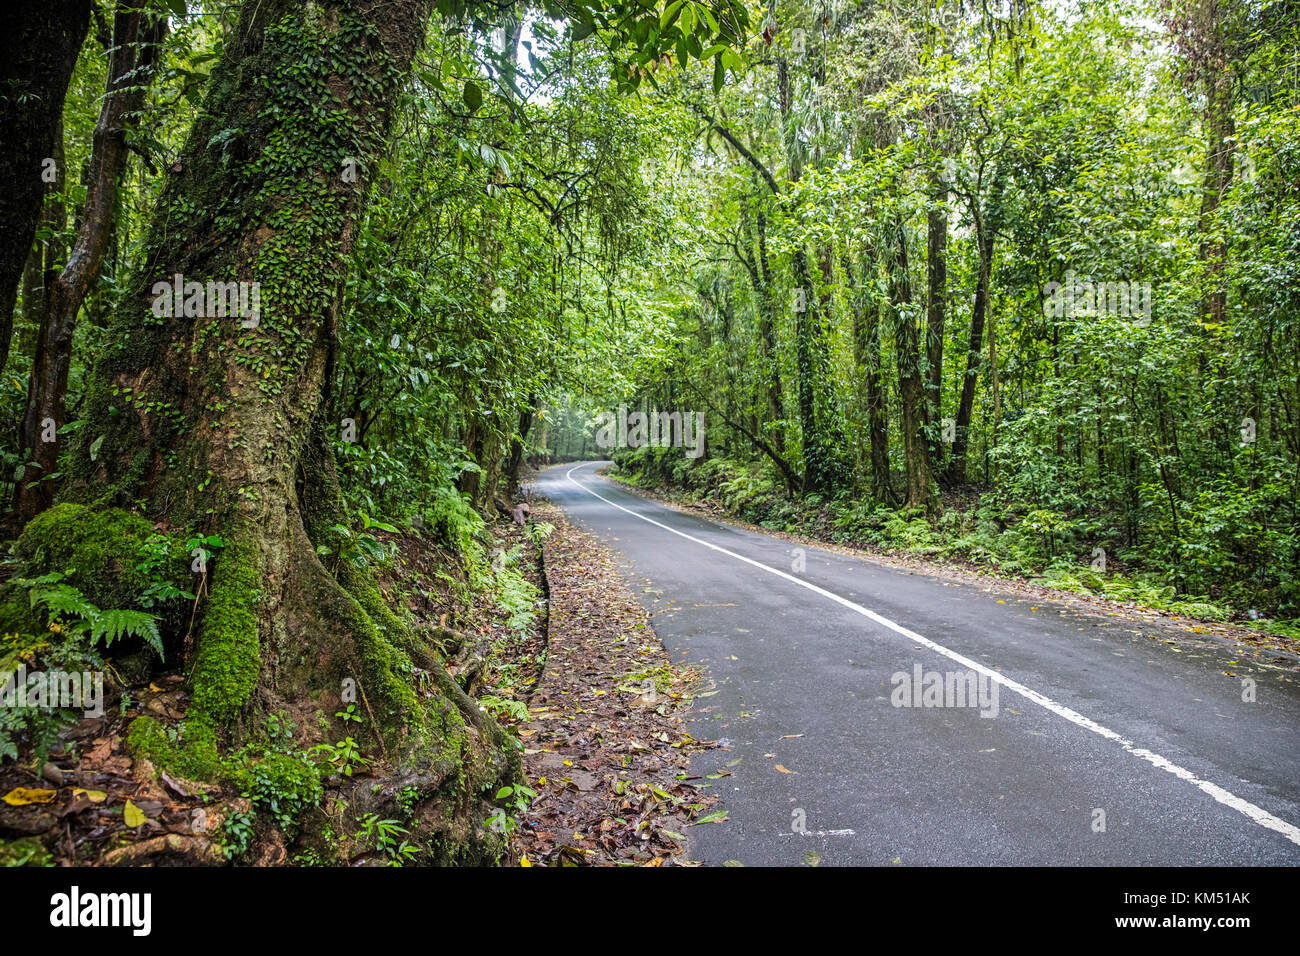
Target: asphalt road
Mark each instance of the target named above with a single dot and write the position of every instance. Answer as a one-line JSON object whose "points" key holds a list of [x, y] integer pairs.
{"points": [[1100, 744]]}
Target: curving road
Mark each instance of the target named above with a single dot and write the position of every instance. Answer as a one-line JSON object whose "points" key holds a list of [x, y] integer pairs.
{"points": [[1081, 740]]}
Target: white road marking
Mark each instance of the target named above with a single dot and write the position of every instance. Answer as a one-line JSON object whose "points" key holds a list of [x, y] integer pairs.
{"points": [[1257, 814]]}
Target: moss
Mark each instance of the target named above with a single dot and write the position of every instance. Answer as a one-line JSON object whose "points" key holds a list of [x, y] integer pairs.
{"points": [[383, 671], [16, 615], [194, 756], [229, 655], [27, 851], [103, 552]]}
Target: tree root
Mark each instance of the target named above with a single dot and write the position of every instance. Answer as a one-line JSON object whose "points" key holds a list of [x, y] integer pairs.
{"points": [[198, 850]]}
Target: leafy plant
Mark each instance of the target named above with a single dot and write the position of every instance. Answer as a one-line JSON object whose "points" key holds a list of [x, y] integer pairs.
{"points": [[385, 836], [505, 820], [71, 613]]}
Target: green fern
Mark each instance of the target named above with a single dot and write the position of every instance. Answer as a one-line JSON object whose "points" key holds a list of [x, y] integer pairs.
{"points": [[63, 599], [113, 624], [67, 601]]}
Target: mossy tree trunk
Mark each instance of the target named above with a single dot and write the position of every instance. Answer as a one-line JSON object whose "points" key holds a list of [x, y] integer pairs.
{"points": [[217, 422]]}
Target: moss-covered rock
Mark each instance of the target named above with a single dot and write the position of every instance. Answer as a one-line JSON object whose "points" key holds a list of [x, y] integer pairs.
{"points": [[112, 556], [193, 755]]}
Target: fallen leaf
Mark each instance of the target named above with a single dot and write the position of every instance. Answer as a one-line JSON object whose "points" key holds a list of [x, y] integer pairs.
{"points": [[133, 815], [783, 770], [94, 796], [717, 816], [176, 787], [22, 796]]}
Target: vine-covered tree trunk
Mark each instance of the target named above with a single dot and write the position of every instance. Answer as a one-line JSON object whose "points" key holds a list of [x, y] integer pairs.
{"points": [[761, 277], [37, 54], [215, 422], [822, 436], [877, 408]]}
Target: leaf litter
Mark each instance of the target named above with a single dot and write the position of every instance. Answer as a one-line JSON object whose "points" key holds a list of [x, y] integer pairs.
{"points": [[606, 746]]}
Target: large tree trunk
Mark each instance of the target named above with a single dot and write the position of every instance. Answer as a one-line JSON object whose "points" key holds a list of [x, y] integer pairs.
{"points": [[526, 416], [218, 424], [38, 52], [132, 57]]}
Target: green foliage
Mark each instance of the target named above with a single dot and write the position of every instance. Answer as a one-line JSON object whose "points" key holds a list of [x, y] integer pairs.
{"points": [[191, 753], [515, 595], [237, 832], [25, 851], [500, 707], [456, 520], [284, 786], [72, 614], [385, 837], [360, 549], [518, 799], [113, 558]]}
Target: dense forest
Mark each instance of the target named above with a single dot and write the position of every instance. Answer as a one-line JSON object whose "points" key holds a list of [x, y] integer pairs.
{"points": [[1014, 288], [284, 282]]}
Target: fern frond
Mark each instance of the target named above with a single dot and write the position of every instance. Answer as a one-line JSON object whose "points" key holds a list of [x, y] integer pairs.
{"points": [[63, 599], [114, 624]]}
